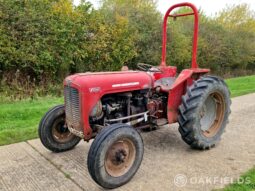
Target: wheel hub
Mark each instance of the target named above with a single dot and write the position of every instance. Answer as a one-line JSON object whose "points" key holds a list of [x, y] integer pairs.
{"points": [[60, 131], [212, 114], [120, 157]]}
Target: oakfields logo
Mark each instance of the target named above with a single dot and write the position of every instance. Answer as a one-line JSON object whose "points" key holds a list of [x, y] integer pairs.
{"points": [[181, 180]]}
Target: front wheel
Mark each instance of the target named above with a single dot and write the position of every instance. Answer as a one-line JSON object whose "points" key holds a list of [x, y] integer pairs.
{"points": [[204, 112], [115, 155], [54, 133]]}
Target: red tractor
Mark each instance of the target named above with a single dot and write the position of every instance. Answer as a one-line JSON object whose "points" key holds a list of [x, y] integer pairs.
{"points": [[111, 106]]}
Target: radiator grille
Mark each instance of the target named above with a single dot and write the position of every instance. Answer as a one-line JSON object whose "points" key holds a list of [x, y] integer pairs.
{"points": [[72, 106]]}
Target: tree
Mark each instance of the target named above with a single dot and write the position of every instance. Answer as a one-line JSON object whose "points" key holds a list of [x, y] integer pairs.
{"points": [[144, 24], [239, 21]]}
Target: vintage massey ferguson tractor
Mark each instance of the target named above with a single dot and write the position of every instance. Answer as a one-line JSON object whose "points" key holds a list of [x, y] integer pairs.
{"points": [[111, 106]]}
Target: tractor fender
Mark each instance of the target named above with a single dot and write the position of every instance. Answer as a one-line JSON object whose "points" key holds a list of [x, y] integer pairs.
{"points": [[178, 89]]}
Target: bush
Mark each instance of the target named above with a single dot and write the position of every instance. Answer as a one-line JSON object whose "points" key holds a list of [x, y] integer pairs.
{"points": [[43, 41]]}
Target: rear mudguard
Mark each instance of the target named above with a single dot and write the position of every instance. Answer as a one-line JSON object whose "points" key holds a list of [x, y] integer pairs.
{"points": [[178, 89]]}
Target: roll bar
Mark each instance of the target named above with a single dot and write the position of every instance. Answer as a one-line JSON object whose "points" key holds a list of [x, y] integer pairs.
{"points": [[195, 35]]}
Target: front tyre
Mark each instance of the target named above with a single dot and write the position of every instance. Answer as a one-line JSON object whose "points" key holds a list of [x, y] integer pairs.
{"points": [[204, 112], [115, 155], [54, 133]]}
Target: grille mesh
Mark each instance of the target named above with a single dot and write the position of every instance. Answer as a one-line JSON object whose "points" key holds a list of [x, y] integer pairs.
{"points": [[72, 106]]}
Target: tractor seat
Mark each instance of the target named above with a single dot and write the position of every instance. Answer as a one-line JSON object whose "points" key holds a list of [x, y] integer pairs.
{"points": [[165, 84]]}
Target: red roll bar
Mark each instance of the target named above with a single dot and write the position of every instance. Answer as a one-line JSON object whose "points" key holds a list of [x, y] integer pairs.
{"points": [[195, 36]]}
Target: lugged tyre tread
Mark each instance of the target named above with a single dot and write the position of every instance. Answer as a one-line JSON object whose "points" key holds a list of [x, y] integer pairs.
{"points": [[190, 102]]}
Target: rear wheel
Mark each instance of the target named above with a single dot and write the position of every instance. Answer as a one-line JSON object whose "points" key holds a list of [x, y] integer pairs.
{"points": [[204, 112], [54, 133], [115, 155]]}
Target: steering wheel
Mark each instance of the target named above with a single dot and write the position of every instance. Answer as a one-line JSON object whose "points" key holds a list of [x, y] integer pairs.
{"points": [[148, 67]]}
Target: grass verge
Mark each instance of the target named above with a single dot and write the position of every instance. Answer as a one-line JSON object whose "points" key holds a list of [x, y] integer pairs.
{"points": [[241, 86], [19, 120], [245, 183]]}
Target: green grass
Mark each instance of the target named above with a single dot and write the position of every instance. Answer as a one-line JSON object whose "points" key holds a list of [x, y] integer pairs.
{"points": [[241, 86], [19, 120], [246, 182]]}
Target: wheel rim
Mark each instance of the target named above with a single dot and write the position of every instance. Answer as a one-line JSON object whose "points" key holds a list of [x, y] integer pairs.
{"points": [[60, 131], [212, 114], [120, 157]]}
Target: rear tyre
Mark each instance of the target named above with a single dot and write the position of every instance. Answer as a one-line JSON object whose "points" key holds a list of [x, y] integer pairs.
{"points": [[115, 155], [54, 133], [204, 112]]}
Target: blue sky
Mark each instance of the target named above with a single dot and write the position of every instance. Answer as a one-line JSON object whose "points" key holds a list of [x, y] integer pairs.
{"points": [[209, 6]]}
